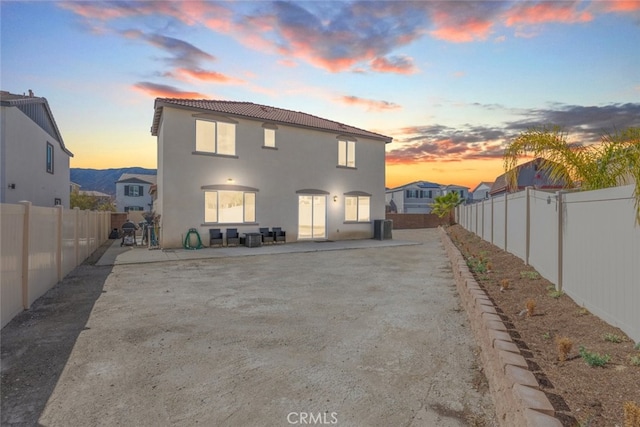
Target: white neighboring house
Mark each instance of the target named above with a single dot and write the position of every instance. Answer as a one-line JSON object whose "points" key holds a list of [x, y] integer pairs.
{"points": [[463, 192], [481, 191], [414, 197], [224, 164], [34, 163], [132, 192]]}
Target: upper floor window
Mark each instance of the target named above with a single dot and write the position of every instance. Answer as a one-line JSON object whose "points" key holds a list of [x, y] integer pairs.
{"points": [[133, 190], [347, 154], [215, 137], [229, 206], [270, 138], [357, 208], [49, 157]]}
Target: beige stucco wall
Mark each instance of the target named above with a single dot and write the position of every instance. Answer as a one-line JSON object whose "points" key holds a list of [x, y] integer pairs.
{"points": [[304, 159], [24, 162]]}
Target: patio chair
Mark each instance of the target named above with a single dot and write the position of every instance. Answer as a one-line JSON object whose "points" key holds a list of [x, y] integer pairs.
{"points": [[279, 235], [215, 237], [267, 236], [232, 237]]}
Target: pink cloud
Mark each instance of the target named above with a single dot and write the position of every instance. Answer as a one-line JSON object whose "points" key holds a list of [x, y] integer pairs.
{"points": [[398, 65], [540, 13], [371, 105], [620, 5], [208, 76], [164, 91], [460, 32]]}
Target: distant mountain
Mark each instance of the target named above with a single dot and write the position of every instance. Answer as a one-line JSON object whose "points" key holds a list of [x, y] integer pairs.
{"points": [[104, 180]]}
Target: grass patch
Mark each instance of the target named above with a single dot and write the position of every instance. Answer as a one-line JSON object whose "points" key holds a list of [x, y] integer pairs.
{"points": [[613, 338], [594, 359], [530, 274]]}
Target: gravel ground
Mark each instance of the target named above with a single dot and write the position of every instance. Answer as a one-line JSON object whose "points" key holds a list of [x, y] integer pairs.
{"points": [[362, 337]]}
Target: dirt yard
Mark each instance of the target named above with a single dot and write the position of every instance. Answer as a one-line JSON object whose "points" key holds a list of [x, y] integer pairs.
{"points": [[371, 337], [583, 395]]}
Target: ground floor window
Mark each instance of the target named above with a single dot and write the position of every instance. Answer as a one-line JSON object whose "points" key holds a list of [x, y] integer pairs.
{"points": [[133, 208], [357, 208], [226, 207]]}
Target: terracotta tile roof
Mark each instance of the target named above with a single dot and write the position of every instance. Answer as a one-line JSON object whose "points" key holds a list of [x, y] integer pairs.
{"points": [[261, 112]]}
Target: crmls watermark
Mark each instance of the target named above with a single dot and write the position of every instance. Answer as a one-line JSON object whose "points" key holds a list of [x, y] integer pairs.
{"points": [[322, 418]]}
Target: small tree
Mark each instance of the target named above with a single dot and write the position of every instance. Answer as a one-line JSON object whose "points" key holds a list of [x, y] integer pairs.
{"points": [[92, 203], [444, 205]]}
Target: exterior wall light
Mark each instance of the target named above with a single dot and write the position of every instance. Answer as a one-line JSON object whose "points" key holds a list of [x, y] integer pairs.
{"points": [[335, 198]]}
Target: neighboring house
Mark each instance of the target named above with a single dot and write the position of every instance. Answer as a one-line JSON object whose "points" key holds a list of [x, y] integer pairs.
{"points": [[463, 192], [529, 175], [224, 164], [481, 191], [418, 196], [414, 197], [132, 192], [34, 163]]}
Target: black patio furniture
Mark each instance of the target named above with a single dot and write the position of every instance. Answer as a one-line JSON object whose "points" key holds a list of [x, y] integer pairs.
{"points": [[267, 236], [233, 238], [279, 235], [215, 237]]}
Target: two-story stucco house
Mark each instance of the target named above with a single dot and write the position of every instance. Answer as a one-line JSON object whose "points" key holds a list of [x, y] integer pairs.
{"points": [[133, 192], [481, 191], [414, 197], [34, 162], [224, 164]]}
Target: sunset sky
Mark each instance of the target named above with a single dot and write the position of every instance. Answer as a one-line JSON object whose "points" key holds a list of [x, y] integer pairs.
{"points": [[450, 81]]}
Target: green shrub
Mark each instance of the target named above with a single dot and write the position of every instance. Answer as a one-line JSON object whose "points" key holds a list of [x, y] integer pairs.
{"points": [[594, 359], [613, 338]]}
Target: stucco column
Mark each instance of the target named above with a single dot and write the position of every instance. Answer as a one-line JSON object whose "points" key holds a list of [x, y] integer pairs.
{"points": [[59, 224]]}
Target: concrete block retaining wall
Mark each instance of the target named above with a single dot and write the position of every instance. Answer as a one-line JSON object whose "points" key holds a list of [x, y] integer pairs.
{"points": [[516, 394]]}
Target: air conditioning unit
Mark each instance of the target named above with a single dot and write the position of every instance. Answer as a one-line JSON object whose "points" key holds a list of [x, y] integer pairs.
{"points": [[382, 229]]}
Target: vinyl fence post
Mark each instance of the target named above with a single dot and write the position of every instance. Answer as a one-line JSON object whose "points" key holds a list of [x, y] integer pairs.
{"points": [[76, 233], [506, 222], [560, 203], [25, 253], [528, 225], [492, 224], [59, 241]]}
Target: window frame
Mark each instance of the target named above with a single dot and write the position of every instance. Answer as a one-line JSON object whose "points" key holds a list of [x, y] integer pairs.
{"points": [[346, 153], [212, 214], [359, 205], [139, 190], [50, 158], [219, 137], [269, 140]]}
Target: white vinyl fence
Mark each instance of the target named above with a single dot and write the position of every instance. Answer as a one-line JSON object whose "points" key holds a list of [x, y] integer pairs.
{"points": [[586, 243], [39, 246]]}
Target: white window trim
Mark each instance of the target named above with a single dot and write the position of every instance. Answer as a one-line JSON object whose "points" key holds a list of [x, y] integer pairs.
{"points": [[357, 195], [237, 188], [216, 151], [347, 148]]}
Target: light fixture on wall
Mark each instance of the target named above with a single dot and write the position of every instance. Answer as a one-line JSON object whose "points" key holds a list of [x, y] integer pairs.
{"points": [[335, 198], [12, 186], [230, 180]]}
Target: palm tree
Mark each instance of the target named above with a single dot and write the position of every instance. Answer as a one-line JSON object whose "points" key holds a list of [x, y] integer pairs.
{"points": [[613, 161], [443, 205]]}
